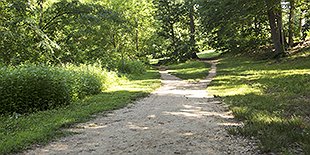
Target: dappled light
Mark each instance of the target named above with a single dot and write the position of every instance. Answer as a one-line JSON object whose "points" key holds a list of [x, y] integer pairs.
{"points": [[136, 127], [199, 114], [267, 118], [232, 90], [190, 70], [230, 124], [91, 126], [272, 98], [155, 76], [177, 87], [180, 117]]}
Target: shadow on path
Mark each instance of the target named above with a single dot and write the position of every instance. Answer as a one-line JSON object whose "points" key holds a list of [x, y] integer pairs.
{"points": [[179, 118]]}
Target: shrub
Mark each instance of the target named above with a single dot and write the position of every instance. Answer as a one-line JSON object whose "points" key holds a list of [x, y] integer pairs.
{"points": [[29, 88], [131, 67], [85, 80]]}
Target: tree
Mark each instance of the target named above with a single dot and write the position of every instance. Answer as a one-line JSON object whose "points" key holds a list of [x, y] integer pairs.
{"points": [[234, 25], [178, 26], [190, 5], [242, 25], [74, 31], [291, 23], [274, 11]]}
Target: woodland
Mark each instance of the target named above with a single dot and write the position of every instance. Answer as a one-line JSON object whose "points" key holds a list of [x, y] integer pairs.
{"points": [[55, 54], [89, 31]]}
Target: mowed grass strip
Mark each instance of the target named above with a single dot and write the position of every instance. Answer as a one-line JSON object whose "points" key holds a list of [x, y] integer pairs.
{"points": [[190, 70], [272, 98], [21, 132]]}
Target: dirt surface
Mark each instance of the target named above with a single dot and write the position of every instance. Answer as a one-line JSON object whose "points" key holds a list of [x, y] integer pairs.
{"points": [[178, 118]]}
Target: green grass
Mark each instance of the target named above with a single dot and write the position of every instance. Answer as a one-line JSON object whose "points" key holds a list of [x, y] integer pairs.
{"points": [[272, 98], [190, 70], [209, 54], [20, 132]]}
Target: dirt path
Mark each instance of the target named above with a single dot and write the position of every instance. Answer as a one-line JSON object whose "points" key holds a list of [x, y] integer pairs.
{"points": [[179, 118]]}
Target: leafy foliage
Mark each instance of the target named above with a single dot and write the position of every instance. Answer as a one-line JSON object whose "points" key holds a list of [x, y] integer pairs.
{"points": [[131, 67], [233, 27], [20, 132], [177, 29], [74, 31], [30, 88]]}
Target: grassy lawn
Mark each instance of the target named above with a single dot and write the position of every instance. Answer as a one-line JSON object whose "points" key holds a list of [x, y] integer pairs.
{"points": [[20, 132], [208, 54], [190, 70], [272, 98]]}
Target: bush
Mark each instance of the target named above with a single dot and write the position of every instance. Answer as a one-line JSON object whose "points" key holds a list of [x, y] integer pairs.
{"points": [[30, 88], [85, 80], [131, 67]]}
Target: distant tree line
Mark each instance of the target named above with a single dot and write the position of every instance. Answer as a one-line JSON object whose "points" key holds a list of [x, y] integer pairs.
{"points": [[239, 25]]}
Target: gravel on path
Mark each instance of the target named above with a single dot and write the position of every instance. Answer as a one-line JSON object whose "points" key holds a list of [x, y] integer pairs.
{"points": [[179, 118]]}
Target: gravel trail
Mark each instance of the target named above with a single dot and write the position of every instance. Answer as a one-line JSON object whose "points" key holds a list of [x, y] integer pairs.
{"points": [[178, 118]]}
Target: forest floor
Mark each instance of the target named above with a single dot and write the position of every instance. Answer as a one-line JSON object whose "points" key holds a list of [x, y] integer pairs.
{"points": [[178, 118]]}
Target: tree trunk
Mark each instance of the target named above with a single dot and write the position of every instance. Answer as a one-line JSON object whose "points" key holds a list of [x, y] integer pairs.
{"points": [[172, 35], [280, 27], [291, 24], [192, 27], [275, 31], [300, 24], [137, 35], [40, 3], [192, 33]]}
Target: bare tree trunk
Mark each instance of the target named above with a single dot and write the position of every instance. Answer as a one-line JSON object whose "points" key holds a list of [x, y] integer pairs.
{"points": [[280, 26], [301, 19], [137, 36], [192, 33], [291, 24], [192, 28], [40, 3], [174, 44], [300, 25], [275, 29]]}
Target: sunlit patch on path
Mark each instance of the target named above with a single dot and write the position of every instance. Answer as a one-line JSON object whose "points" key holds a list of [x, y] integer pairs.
{"points": [[179, 118]]}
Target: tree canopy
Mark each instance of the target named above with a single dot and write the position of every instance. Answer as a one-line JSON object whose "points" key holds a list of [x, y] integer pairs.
{"points": [[87, 31]]}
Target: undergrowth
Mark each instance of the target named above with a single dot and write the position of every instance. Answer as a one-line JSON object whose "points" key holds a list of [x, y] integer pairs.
{"points": [[29, 88], [19, 132]]}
